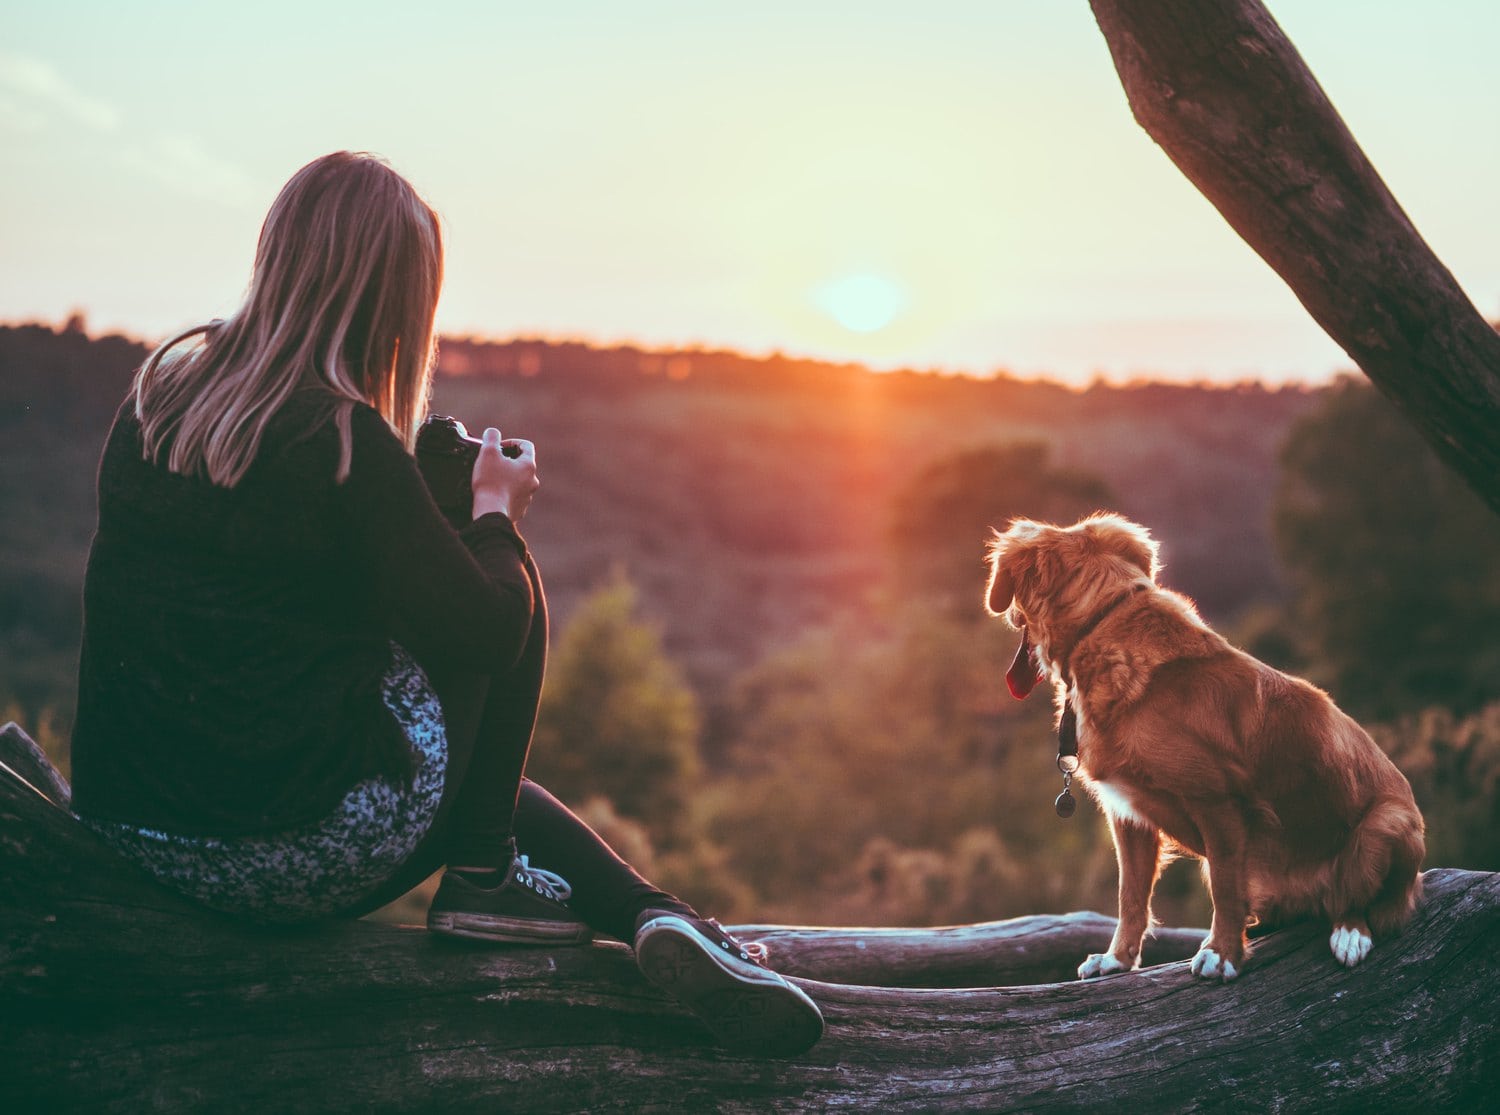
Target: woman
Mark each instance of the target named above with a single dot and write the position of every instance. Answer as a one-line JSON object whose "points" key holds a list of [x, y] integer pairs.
{"points": [[301, 690]]}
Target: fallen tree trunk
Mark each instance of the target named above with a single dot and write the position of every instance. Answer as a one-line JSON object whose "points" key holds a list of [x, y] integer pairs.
{"points": [[119, 996], [1226, 95]]}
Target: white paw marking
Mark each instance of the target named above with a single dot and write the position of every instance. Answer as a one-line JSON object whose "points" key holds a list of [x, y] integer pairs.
{"points": [[1102, 964], [1349, 945], [1208, 964]]}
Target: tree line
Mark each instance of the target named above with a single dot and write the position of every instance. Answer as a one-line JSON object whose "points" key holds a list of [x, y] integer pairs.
{"points": [[772, 684]]}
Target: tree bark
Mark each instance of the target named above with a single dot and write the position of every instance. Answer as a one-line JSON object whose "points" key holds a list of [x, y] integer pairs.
{"points": [[118, 996], [1226, 95]]}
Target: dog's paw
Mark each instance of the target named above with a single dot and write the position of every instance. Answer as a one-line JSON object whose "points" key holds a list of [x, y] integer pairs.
{"points": [[1350, 944], [1102, 964], [1208, 964]]}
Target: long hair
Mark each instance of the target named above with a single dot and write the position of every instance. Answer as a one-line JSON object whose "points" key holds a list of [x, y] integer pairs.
{"points": [[342, 301]]}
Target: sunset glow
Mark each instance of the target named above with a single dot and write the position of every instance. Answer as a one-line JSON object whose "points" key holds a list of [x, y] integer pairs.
{"points": [[959, 187]]}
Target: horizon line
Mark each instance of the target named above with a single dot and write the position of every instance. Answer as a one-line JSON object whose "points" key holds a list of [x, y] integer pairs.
{"points": [[1097, 378]]}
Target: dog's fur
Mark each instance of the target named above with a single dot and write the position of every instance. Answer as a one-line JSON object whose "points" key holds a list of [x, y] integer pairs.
{"points": [[1190, 745]]}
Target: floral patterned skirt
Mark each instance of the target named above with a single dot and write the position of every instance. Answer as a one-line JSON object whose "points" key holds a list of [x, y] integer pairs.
{"points": [[318, 869]]}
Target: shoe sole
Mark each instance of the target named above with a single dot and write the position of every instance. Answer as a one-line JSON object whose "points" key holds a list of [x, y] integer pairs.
{"points": [[747, 1007], [511, 931]]}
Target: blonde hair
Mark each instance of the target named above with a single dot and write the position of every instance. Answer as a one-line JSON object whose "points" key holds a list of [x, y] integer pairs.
{"points": [[342, 300]]}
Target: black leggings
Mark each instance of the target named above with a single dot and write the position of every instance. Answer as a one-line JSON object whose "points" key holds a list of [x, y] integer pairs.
{"points": [[489, 811]]}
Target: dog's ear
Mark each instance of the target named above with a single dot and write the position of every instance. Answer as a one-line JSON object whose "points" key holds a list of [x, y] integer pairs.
{"points": [[1005, 551], [1002, 589], [1117, 535]]}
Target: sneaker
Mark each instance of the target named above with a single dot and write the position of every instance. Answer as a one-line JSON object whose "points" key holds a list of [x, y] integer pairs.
{"points": [[725, 983], [528, 908]]}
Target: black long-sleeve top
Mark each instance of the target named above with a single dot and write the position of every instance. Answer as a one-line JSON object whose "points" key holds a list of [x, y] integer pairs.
{"points": [[234, 639]]}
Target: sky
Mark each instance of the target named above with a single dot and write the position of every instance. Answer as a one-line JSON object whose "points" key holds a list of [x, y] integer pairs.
{"points": [[949, 184]]}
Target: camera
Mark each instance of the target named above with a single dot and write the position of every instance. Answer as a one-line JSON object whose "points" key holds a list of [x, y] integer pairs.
{"points": [[445, 456]]}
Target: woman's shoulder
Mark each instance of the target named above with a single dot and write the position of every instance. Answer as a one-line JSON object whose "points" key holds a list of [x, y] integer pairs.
{"points": [[302, 424], [311, 415], [300, 443], [375, 444], [367, 421], [306, 439], [125, 425]]}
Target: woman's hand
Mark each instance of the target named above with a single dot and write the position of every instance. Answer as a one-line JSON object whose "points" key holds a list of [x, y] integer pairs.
{"points": [[502, 482]]}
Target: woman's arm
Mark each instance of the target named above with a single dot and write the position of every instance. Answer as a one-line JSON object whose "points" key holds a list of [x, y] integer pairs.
{"points": [[455, 601]]}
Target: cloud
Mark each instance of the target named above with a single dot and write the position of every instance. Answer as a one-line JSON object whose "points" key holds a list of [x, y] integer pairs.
{"points": [[35, 97], [31, 90], [18, 117], [182, 165]]}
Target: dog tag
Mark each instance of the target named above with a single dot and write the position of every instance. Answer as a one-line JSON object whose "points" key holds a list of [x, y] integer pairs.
{"points": [[1065, 804]]}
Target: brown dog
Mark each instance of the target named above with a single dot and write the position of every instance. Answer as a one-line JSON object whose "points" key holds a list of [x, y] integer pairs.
{"points": [[1191, 745]]}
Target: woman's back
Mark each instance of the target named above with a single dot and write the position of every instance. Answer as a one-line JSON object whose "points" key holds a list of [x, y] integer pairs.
{"points": [[230, 636], [235, 638]]}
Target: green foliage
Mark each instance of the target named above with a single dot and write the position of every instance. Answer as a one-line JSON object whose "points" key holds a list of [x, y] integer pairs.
{"points": [[879, 772], [1453, 765], [1393, 561], [941, 520], [617, 719]]}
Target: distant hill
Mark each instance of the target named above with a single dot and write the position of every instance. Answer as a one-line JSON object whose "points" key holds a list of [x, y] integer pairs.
{"points": [[749, 499]]}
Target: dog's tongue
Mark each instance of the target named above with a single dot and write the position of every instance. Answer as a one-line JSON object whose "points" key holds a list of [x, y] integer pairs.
{"points": [[1024, 672]]}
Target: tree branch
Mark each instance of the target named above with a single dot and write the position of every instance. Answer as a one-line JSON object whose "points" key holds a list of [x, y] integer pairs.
{"points": [[1219, 86]]}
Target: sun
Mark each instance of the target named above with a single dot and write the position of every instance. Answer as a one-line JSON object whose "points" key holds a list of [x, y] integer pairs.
{"points": [[861, 303]]}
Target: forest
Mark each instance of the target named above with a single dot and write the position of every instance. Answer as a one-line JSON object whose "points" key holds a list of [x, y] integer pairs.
{"points": [[772, 683]]}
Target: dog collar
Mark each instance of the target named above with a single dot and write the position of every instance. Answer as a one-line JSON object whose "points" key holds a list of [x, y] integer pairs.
{"points": [[1067, 724], [1094, 621]]}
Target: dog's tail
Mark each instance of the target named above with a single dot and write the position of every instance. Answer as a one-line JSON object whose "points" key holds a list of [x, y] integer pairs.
{"points": [[1377, 872]]}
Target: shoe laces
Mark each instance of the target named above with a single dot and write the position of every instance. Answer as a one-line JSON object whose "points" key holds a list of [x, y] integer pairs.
{"points": [[549, 884], [754, 951]]}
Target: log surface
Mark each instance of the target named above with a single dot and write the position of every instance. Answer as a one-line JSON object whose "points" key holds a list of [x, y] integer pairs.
{"points": [[118, 996]]}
